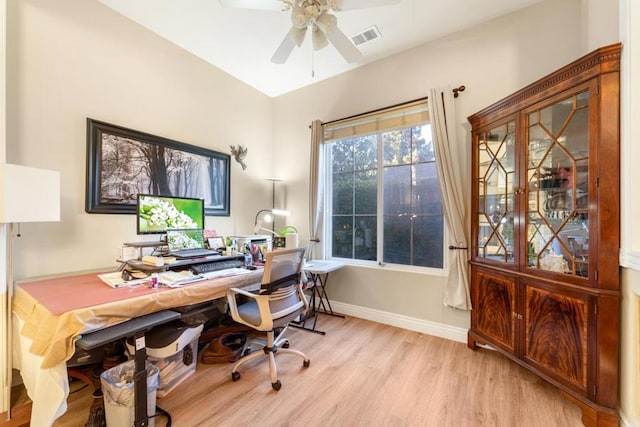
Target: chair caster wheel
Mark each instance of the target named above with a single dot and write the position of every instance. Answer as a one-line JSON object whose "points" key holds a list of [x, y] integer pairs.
{"points": [[285, 344], [235, 376], [277, 385], [306, 363]]}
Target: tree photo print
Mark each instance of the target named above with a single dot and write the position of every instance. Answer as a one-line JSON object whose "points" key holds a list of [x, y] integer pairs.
{"points": [[123, 163]]}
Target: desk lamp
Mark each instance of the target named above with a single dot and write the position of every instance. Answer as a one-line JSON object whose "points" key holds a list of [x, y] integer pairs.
{"points": [[268, 217], [26, 195]]}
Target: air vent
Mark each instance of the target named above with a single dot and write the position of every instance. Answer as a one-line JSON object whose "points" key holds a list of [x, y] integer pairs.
{"points": [[366, 36]]}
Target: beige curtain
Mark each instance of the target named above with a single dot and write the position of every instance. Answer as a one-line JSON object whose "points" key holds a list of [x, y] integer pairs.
{"points": [[316, 193], [449, 160]]}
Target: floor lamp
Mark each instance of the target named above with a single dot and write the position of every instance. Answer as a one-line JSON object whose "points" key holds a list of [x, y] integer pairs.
{"points": [[26, 195]]}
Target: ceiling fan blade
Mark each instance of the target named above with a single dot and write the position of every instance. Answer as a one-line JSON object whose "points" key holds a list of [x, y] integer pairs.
{"points": [[254, 4], [361, 4], [294, 38], [342, 43], [329, 24]]}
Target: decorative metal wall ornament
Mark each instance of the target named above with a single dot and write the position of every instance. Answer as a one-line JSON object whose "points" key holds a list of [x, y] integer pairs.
{"points": [[239, 154]]}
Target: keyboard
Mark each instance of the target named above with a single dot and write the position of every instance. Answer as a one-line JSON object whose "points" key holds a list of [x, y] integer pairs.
{"points": [[207, 267]]}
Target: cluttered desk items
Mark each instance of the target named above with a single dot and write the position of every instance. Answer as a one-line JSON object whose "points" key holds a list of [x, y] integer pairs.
{"points": [[118, 279]]}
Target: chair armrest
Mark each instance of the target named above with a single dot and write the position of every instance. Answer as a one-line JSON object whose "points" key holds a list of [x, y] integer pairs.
{"points": [[239, 291], [303, 297], [266, 321]]}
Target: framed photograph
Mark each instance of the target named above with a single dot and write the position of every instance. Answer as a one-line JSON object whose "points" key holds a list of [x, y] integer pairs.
{"points": [[216, 242], [122, 163]]}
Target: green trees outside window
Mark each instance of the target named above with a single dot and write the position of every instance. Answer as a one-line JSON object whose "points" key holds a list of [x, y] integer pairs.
{"points": [[385, 198]]}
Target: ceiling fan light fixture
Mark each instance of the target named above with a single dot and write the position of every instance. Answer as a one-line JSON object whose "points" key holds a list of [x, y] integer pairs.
{"points": [[299, 17], [327, 23], [297, 35], [319, 39]]}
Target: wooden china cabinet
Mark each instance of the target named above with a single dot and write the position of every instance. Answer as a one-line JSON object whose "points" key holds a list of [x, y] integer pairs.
{"points": [[545, 230]]}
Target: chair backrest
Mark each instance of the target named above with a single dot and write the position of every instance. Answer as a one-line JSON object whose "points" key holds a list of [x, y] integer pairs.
{"points": [[280, 290], [282, 268]]}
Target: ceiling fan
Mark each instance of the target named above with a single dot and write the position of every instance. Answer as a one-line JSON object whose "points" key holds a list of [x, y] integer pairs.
{"points": [[313, 14]]}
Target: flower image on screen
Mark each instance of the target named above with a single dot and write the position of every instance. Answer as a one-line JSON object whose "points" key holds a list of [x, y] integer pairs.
{"points": [[157, 214], [186, 239]]}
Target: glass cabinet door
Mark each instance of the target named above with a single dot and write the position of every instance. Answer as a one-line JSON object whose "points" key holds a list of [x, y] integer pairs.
{"points": [[557, 220], [496, 185]]}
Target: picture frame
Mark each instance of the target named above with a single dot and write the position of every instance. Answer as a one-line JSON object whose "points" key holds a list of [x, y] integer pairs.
{"points": [[216, 242], [122, 162]]}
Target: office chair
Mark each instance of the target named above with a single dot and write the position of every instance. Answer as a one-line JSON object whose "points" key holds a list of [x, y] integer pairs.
{"points": [[280, 301]]}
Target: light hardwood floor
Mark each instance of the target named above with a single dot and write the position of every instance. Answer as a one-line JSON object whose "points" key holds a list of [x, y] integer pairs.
{"points": [[364, 374]]}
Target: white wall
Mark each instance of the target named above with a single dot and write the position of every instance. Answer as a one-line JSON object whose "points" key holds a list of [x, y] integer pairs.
{"points": [[630, 231], [4, 383], [600, 24], [491, 60], [73, 59]]}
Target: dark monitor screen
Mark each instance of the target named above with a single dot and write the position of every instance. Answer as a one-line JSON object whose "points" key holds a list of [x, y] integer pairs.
{"points": [[157, 214]]}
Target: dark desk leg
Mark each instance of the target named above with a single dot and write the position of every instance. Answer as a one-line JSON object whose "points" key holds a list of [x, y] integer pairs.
{"points": [[325, 297], [311, 313], [319, 289], [140, 382]]}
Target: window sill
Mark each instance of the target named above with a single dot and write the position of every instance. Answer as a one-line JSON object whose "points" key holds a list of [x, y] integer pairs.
{"points": [[438, 272]]}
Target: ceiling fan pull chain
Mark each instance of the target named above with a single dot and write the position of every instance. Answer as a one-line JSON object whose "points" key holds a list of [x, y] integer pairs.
{"points": [[313, 66]]}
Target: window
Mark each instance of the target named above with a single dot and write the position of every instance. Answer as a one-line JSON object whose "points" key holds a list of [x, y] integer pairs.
{"points": [[383, 190]]}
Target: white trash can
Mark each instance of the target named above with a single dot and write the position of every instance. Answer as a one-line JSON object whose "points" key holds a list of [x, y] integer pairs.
{"points": [[119, 397]]}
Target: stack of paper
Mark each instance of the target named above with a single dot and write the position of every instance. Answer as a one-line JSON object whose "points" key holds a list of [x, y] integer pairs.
{"points": [[177, 278]]}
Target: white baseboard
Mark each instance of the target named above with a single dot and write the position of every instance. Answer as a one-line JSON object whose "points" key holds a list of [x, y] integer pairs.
{"points": [[630, 259], [628, 421], [411, 323]]}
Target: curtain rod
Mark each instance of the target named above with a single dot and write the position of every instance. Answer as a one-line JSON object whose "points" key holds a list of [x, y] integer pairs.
{"points": [[456, 91]]}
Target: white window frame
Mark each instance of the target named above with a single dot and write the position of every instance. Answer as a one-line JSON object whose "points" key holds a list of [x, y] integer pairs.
{"points": [[327, 222]]}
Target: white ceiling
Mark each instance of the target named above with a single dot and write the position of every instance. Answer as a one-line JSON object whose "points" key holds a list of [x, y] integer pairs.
{"points": [[242, 41]]}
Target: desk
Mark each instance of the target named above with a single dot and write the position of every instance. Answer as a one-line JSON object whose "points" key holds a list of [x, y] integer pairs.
{"points": [[319, 274], [52, 313]]}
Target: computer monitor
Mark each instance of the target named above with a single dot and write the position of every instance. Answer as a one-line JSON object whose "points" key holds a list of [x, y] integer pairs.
{"points": [[157, 214]]}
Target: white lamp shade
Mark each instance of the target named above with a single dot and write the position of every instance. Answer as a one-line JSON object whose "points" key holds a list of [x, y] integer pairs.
{"points": [[327, 23], [29, 194], [280, 212], [319, 39], [299, 17]]}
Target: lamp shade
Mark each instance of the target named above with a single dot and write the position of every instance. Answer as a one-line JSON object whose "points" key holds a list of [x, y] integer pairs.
{"points": [[28, 194], [268, 214]]}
